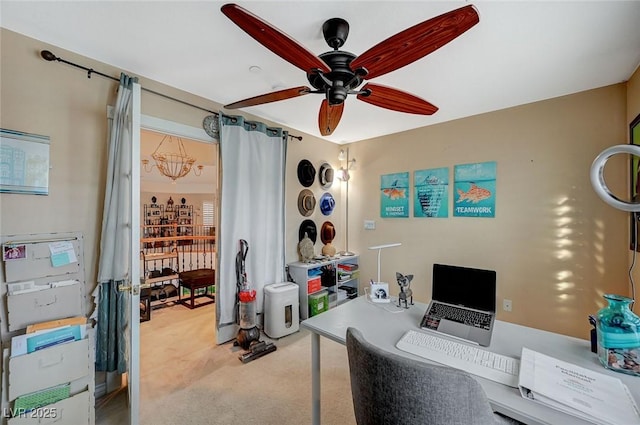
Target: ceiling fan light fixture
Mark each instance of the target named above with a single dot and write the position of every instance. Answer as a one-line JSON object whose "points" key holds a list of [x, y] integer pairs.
{"points": [[338, 93]]}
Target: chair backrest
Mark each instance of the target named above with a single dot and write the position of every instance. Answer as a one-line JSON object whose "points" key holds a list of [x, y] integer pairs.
{"points": [[391, 389]]}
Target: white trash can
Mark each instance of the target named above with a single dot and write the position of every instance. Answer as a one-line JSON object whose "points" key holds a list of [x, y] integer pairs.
{"points": [[281, 309]]}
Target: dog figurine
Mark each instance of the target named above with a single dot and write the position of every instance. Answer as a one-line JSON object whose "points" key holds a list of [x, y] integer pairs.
{"points": [[406, 295]]}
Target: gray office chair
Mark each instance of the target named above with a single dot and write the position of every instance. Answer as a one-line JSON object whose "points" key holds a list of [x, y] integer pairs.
{"points": [[388, 389]]}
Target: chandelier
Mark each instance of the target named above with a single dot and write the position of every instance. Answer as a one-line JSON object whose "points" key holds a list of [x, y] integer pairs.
{"points": [[175, 163]]}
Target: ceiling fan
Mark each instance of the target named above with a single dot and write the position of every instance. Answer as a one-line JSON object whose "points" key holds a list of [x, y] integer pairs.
{"points": [[338, 73]]}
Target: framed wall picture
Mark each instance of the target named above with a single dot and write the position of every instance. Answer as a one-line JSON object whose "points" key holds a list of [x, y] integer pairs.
{"points": [[431, 192], [474, 188], [24, 163], [394, 200], [634, 139]]}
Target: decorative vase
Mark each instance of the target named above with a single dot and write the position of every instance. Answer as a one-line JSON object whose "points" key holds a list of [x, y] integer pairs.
{"points": [[618, 333]]}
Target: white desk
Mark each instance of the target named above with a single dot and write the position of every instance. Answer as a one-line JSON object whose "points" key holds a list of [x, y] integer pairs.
{"points": [[384, 328]]}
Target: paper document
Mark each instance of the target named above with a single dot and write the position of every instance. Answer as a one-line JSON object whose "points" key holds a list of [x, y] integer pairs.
{"points": [[575, 390], [20, 344], [62, 253]]}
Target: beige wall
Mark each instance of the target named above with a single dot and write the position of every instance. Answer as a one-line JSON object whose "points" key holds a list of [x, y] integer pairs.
{"points": [[633, 96], [58, 100], [555, 245]]}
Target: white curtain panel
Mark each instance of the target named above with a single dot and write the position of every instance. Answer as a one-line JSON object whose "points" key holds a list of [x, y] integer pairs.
{"points": [[251, 208], [115, 246], [114, 265]]}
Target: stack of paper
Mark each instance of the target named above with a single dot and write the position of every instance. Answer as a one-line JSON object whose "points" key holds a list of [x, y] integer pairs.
{"points": [[41, 340], [575, 390], [46, 338]]}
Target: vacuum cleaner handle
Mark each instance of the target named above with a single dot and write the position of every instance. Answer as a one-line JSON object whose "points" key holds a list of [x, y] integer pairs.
{"points": [[241, 275]]}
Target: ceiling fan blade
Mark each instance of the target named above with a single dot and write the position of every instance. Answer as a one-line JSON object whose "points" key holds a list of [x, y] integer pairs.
{"points": [[329, 117], [274, 39], [415, 42], [270, 97], [396, 100]]}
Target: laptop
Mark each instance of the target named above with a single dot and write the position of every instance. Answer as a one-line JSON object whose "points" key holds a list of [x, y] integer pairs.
{"points": [[463, 303]]}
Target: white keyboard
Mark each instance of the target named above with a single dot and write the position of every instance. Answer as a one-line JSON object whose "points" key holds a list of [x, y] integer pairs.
{"points": [[472, 359]]}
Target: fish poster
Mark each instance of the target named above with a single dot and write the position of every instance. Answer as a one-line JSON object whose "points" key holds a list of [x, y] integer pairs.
{"points": [[394, 201], [474, 190], [431, 193]]}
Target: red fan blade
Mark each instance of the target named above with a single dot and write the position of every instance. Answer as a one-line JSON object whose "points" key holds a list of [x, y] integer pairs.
{"points": [[329, 117], [415, 42], [270, 97], [274, 39], [396, 100]]}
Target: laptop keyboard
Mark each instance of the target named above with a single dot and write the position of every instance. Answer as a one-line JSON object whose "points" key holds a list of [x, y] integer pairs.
{"points": [[472, 359], [461, 315]]}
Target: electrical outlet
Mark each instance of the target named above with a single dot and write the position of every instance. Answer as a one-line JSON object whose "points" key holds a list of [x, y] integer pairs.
{"points": [[506, 305], [369, 225]]}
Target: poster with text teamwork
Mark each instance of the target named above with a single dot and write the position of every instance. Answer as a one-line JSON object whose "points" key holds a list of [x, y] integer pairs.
{"points": [[394, 200], [431, 193], [474, 190]]}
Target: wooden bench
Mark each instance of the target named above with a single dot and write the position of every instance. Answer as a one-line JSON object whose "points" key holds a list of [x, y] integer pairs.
{"points": [[194, 280]]}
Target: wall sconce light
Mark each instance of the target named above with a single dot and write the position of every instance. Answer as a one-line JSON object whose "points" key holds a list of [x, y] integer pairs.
{"points": [[343, 172]]}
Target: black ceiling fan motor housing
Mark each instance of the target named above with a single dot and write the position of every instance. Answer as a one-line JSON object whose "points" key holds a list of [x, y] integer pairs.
{"points": [[342, 77]]}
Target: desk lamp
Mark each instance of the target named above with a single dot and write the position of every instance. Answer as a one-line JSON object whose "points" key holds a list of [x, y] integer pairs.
{"points": [[380, 248]]}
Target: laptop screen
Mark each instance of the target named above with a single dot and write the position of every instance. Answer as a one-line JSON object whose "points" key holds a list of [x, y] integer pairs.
{"points": [[473, 288]]}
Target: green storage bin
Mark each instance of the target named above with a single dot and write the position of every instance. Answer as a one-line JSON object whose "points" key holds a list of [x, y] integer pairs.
{"points": [[318, 302]]}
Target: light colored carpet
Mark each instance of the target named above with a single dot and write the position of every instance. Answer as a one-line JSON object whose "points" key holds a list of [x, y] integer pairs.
{"points": [[187, 379]]}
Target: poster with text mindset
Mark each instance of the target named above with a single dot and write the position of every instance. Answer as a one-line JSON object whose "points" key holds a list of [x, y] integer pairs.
{"points": [[431, 193], [394, 200], [474, 190]]}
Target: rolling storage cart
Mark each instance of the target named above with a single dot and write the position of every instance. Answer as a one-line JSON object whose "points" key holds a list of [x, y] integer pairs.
{"points": [[325, 284]]}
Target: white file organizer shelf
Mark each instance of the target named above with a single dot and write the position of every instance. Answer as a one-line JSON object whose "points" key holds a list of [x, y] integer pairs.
{"points": [[44, 305], [72, 362], [66, 363]]}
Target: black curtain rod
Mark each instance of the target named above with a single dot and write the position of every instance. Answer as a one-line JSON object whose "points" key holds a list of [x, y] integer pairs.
{"points": [[48, 56]]}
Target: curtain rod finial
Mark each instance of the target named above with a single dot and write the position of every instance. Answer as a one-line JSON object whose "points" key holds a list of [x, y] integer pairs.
{"points": [[47, 55]]}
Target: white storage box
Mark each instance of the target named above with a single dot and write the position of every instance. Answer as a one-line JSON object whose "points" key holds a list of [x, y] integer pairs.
{"points": [[281, 309]]}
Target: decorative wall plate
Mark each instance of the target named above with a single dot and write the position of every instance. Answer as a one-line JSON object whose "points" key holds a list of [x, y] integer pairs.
{"points": [[210, 125]]}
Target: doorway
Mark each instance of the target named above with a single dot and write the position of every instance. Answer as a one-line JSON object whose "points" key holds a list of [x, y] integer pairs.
{"points": [[178, 228]]}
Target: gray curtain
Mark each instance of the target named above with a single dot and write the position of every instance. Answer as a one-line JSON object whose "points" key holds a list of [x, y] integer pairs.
{"points": [[251, 208], [115, 242]]}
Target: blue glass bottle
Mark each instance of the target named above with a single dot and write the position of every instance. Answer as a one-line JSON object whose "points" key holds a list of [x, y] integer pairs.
{"points": [[618, 331]]}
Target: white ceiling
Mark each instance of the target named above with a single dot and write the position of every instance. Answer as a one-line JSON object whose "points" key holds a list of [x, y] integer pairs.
{"points": [[520, 52]]}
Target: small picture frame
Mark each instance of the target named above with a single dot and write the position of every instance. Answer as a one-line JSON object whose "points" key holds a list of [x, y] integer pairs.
{"points": [[380, 292], [14, 252]]}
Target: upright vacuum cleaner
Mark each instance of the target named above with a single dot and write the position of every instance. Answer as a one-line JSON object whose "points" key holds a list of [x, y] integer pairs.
{"points": [[248, 337]]}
